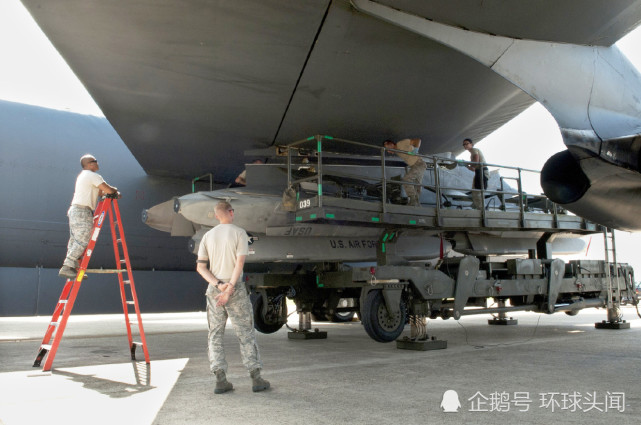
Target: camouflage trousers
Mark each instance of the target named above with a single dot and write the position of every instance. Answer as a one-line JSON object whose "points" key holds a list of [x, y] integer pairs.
{"points": [[481, 176], [414, 174], [239, 310], [80, 225]]}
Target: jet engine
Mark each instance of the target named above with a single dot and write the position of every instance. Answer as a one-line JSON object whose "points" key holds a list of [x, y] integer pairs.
{"points": [[607, 192]]}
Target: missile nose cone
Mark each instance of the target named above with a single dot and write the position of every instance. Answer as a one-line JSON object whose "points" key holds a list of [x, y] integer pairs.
{"points": [[176, 205]]}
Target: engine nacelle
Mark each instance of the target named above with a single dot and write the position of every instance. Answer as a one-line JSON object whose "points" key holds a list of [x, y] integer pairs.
{"points": [[594, 188]]}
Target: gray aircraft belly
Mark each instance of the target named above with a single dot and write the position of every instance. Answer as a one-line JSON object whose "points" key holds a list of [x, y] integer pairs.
{"points": [[189, 95]]}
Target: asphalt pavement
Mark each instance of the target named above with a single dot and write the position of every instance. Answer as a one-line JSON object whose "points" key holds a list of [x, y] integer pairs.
{"points": [[548, 368]]}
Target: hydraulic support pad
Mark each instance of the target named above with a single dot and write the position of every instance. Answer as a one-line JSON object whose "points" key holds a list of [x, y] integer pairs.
{"points": [[503, 321], [304, 326], [316, 334], [432, 343], [612, 325]]}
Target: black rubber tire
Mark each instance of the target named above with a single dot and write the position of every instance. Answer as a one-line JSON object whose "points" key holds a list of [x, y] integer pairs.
{"points": [[376, 321], [343, 317], [260, 323]]}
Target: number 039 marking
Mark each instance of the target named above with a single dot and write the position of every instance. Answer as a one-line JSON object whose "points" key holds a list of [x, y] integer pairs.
{"points": [[305, 203]]}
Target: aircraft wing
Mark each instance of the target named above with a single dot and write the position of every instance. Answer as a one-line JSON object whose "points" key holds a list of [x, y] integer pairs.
{"points": [[189, 85]]}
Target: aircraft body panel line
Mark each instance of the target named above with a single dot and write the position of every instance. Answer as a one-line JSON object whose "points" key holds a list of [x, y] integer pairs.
{"points": [[302, 71]]}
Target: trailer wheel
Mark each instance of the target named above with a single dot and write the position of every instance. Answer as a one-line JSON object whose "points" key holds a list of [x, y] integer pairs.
{"points": [[345, 316], [324, 316], [377, 321], [275, 318]]}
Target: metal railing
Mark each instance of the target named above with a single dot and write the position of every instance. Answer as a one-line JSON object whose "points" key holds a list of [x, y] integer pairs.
{"points": [[503, 195], [208, 176]]}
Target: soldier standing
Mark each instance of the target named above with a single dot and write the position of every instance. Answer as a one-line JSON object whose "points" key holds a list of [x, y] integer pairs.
{"points": [[481, 173], [225, 247], [416, 167]]}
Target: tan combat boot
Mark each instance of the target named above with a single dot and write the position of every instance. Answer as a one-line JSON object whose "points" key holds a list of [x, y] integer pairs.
{"points": [[258, 383], [222, 385]]}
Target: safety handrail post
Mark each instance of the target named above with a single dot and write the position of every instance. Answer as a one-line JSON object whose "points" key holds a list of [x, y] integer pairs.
{"points": [[437, 190], [383, 182], [483, 214], [502, 197], [319, 149], [289, 166], [195, 179], [521, 208]]}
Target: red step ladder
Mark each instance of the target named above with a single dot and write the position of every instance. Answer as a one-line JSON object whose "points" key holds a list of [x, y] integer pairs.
{"points": [[107, 207]]}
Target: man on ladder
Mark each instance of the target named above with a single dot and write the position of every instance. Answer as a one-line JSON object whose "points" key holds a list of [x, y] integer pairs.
{"points": [[89, 186], [84, 231]]}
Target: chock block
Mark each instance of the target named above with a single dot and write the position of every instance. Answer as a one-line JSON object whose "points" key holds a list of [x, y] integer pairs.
{"points": [[612, 325], [307, 334], [503, 322], [420, 345]]}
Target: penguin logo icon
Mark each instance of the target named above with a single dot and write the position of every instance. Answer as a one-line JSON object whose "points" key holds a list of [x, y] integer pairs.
{"points": [[450, 402]]}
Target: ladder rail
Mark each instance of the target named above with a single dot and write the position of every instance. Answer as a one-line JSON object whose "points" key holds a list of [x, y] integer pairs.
{"points": [[123, 295], [617, 272], [64, 296], [613, 274], [107, 210], [72, 294], [132, 288]]}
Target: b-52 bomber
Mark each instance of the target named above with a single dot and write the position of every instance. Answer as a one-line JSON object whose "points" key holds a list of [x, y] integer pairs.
{"points": [[188, 97], [332, 230]]}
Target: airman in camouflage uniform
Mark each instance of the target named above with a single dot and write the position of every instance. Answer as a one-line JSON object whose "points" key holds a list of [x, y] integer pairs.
{"points": [[225, 248], [416, 167], [89, 186]]}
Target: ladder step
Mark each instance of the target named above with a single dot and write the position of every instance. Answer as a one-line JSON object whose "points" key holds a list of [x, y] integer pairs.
{"points": [[98, 271], [131, 302], [54, 323], [45, 347], [127, 282]]}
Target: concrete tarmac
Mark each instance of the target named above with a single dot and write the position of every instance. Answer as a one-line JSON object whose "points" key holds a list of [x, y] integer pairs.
{"points": [[546, 369]]}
